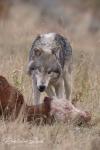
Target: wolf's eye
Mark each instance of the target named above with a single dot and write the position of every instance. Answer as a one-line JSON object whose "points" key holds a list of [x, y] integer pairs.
{"points": [[37, 51], [56, 71], [49, 72], [32, 68]]}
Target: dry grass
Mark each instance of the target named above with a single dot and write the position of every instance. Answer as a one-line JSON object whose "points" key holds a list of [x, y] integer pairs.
{"points": [[16, 36]]}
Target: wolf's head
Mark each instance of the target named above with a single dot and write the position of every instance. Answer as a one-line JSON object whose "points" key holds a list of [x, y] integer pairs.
{"points": [[44, 69]]}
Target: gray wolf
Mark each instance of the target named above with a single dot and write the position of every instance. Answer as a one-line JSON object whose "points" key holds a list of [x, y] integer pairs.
{"points": [[50, 66]]}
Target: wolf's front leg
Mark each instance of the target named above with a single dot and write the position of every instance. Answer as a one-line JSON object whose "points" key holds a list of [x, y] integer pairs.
{"points": [[36, 93], [50, 91], [67, 84], [59, 89]]}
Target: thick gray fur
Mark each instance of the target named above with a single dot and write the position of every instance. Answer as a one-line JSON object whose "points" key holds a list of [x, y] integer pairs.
{"points": [[56, 55]]}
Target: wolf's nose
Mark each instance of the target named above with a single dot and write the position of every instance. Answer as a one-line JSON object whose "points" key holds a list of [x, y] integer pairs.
{"points": [[42, 88]]}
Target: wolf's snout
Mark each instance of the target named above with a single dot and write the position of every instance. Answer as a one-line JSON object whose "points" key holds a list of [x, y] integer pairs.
{"points": [[42, 88]]}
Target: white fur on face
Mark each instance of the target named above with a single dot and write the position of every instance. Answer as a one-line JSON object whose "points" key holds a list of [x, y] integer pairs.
{"points": [[41, 79]]}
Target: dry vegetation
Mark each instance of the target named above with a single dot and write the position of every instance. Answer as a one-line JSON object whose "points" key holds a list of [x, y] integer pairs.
{"points": [[16, 35]]}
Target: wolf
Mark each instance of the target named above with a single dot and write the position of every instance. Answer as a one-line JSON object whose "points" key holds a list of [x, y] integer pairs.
{"points": [[50, 66]]}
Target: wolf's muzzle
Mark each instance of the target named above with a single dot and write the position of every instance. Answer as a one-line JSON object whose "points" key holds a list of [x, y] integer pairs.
{"points": [[42, 88]]}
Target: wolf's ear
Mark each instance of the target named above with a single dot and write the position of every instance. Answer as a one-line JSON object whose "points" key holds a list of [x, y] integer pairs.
{"points": [[36, 39], [30, 68], [31, 53], [37, 51]]}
